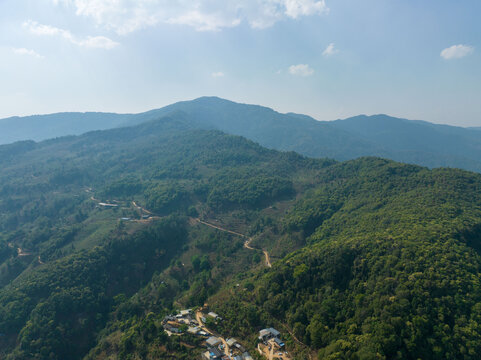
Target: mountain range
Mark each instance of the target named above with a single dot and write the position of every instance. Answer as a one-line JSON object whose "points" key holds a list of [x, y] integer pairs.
{"points": [[409, 141], [104, 234]]}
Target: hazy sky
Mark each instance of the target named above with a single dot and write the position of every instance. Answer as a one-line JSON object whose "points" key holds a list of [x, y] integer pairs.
{"points": [[419, 59]]}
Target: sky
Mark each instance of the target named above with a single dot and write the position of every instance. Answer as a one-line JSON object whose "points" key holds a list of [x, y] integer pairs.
{"points": [[331, 59]]}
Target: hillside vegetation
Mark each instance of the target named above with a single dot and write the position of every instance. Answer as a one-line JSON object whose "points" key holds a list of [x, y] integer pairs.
{"points": [[416, 142], [100, 238], [391, 269]]}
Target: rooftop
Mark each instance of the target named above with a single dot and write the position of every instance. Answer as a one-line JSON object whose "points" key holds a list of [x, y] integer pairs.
{"points": [[269, 331], [212, 341], [215, 353], [231, 341]]}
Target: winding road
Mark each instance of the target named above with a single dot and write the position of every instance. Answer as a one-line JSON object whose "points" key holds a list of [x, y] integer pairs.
{"points": [[246, 243]]}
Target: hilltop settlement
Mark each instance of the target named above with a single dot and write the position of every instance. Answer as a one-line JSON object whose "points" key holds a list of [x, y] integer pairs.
{"points": [[217, 347]]}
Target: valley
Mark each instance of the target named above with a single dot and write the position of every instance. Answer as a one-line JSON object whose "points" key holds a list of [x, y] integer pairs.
{"points": [[240, 180], [366, 258]]}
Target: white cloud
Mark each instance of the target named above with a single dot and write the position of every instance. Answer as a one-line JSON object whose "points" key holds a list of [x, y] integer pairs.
{"points": [[125, 16], [100, 42], [456, 52], [218, 74], [29, 52], [203, 22], [296, 8], [301, 70], [330, 50], [40, 29]]}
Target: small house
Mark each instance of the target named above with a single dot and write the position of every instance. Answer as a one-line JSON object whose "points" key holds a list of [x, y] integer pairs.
{"points": [[185, 312], [279, 342], [269, 333], [215, 353], [231, 342], [194, 330], [213, 341], [213, 314]]}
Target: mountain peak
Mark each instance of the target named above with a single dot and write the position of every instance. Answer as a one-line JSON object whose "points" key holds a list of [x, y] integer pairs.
{"points": [[382, 135]]}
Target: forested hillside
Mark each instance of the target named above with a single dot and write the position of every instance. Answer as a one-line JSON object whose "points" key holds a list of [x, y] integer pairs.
{"points": [[103, 234], [416, 142], [391, 268], [63, 202], [403, 140]]}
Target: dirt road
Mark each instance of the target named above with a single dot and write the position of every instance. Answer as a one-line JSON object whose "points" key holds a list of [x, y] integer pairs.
{"points": [[141, 208], [20, 252], [268, 260], [198, 316], [246, 243]]}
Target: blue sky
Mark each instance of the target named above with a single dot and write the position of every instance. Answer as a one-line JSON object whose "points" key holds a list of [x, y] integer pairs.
{"points": [[418, 59]]}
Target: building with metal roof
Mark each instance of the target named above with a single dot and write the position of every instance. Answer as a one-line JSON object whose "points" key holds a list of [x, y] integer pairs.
{"points": [[231, 342], [269, 333], [213, 341]]}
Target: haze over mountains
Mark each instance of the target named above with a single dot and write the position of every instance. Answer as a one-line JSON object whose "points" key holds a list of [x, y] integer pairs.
{"points": [[417, 142]]}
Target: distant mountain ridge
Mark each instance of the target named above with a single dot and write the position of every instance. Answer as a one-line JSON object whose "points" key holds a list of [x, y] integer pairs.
{"points": [[43, 127], [371, 259], [410, 141]]}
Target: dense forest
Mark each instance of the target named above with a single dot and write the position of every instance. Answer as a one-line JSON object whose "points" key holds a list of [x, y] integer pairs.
{"points": [[391, 268], [103, 234]]}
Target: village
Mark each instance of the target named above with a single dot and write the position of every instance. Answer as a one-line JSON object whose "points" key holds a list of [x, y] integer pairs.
{"points": [[270, 344], [217, 347]]}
